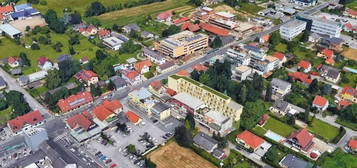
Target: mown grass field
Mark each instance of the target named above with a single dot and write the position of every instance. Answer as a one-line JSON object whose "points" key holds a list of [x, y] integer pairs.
{"points": [[140, 13], [75, 5], [278, 127], [172, 155], [323, 129], [339, 159], [5, 116]]}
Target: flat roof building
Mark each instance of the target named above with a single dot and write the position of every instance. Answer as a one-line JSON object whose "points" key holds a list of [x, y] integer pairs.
{"points": [[181, 44], [292, 29], [10, 31], [113, 43]]}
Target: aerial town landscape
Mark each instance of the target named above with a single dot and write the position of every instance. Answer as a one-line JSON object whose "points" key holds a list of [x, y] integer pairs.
{"points": [[178, 83]]}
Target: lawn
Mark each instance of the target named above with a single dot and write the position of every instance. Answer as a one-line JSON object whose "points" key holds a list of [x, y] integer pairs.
{"points": [[278, 127], [153, 26], [173, 155], [323, 129], [140, 13], [339, 159], [75, 5], [38, 91], [9, 48], [260, 131], [236, 160], [250, 8], [281, 47], [351, 79], [5, 116], [352, 5]]}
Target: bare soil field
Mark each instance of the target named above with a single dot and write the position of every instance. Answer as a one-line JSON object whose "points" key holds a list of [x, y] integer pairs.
{"points": [[32, 22], [350, 54], [174, 156]]}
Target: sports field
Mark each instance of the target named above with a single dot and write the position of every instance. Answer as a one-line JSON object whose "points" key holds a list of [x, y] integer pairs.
{"points": [[172, 155], [140, 13]]}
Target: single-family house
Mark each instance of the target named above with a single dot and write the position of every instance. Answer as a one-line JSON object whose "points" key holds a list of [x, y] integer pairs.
{"points": [[285, 108], [205, 142], [154, 56], [183, 72], [87, 77], [302, 77], [143, 66], [348, 94], [5, 11], [130, 76], [113, 43], [352, 145], [133, 118], [279, 88], [118, 82], [331, 74], [305, 66], [84, 60], [351, 13], [103, 33], [88, 31], [301, 139], [103, 114], [114, 106], [291, 161], [156, 88], [164, 16], [320, 103], [74, 101], [281, 57], [131, 27], [33, 118], [249, 140], [80, 123], [44, 63], [16, 71], [146, 35], [14, 62], [160, 111]]}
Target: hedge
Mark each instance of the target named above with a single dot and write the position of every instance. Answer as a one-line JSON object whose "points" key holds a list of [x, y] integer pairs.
{"points": [[339, 136]]}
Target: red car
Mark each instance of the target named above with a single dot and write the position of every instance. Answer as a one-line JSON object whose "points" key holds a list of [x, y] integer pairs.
{"points": [[108, 161], [113, 165]]}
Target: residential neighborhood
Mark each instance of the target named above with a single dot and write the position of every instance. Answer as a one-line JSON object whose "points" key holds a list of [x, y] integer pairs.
{"points": [[178, 83]]}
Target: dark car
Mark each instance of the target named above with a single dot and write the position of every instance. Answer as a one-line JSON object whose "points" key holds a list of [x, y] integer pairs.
{"points": [[108, 161]]}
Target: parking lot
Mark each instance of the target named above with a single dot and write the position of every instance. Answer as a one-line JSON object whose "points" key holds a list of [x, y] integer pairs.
{"points": [[144, 136]]}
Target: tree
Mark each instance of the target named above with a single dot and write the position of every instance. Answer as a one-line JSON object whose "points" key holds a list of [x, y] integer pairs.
{"points": [[195, 75], [28, 28], [291, 120], [100, 55], [76, 18], [306, 115], [325, 90], [25, 61], [305, 36], [95, 9], [272, 155], [74, 40], [217, 42], [3, 104], [18, 103], [116, 28], [71, 50], [252, 112], [53, 79], [129, 47], [268, 93], [231, 3], [222, 141], [349, 113], [95, 90], [53, 22], [67, 69], [35, 46], [191, 121], [149, 163], [195, 2], [172, 29], [131, 149], [313, 87], [242, 96], [275, 39], [183, 136]]}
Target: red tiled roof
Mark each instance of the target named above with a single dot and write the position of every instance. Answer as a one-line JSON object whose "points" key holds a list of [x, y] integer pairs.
{"points": [[200, 67], [344, 103], [181, 20], [31, 118], [320, 101], [134, 118], [42, 60], [190, 26], [300, 76], [302, 136], [156, 85], [350, 91], [304, 64], [352, 12], [103, 32], [1, 16], [250, 139], [183, 73], [330, 61], [6, 9], [266, 37], [131, 75], [171, 92], [74, 101], [352, 143], [12, 60], [85, 75], [140, 65], [101, 112], [327, 52], [214, 29], [112, 105], [279, 55], [164, 15], [349, 26], [87, 114], [79, 120]]}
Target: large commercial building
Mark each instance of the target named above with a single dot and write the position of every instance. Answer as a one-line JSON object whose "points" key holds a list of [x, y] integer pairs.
{"points": [[292, 29], [183, 43], [327, 27], [212, 98], [304, 2]]}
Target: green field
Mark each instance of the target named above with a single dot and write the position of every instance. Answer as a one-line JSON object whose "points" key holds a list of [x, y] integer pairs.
{"points": [[352, 5], [323, 129], [5, 116], [250, 8], [278, 127], [259, 131], [9, 48], [339, 159], [140, 13], [75, 5], [281, 47]]}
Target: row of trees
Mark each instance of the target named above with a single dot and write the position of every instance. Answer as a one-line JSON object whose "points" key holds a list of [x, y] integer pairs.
{"points": [[18, 103]]}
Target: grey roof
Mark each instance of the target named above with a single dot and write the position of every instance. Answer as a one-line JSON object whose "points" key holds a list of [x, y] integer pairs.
{"points": [[330, 71], [145, 34], [2, 81], [205, 141], [227, 39], [64, 57], [10, 30], [281, 105], [281, 84], [24, 79], [218, 153], [293, 24], [292, 161], [120, 36], [160, 107], [152, 54], [166, 65], [118, 81], [16, 71], [131, 27]]}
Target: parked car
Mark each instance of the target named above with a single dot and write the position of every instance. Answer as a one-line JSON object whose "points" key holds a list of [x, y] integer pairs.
{"points": [[113, 165], [108, 161]]}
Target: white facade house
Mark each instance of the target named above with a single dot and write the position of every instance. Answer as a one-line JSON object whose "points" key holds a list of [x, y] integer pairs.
{"points": [[326, 27], [304, 2], [292, 29], [113, 43]]}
